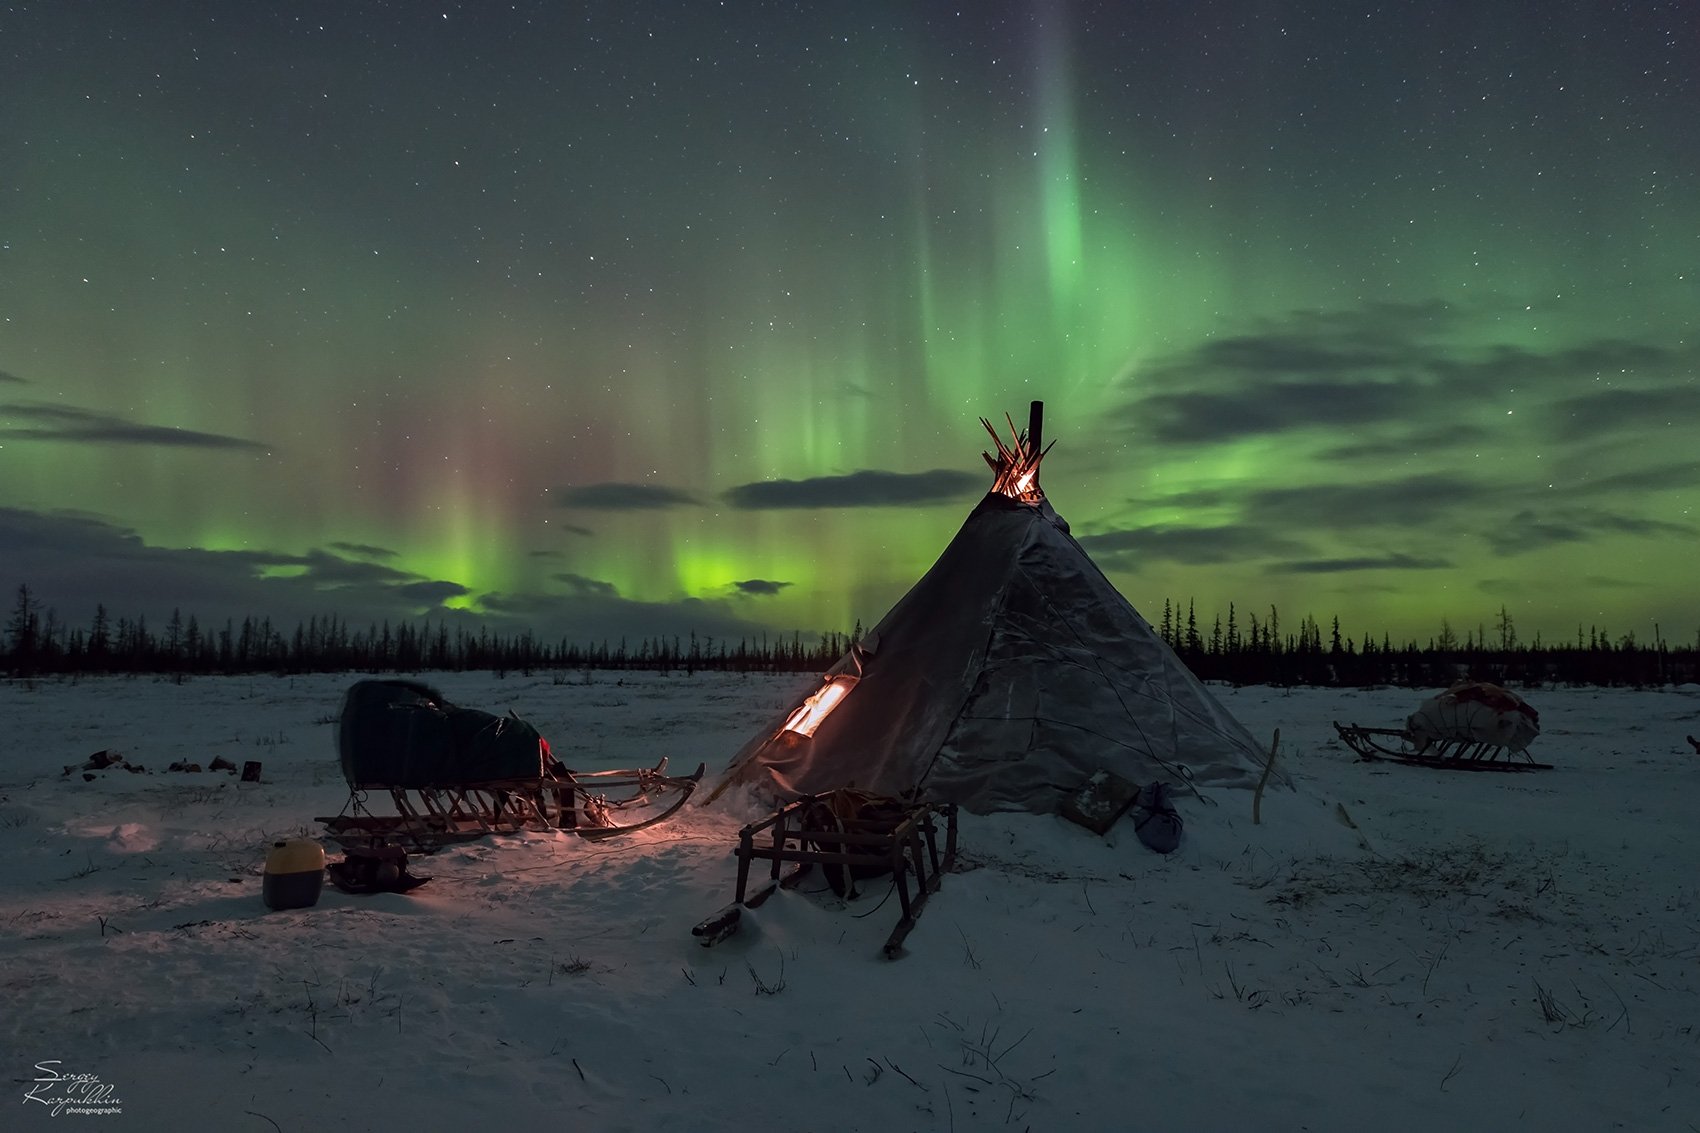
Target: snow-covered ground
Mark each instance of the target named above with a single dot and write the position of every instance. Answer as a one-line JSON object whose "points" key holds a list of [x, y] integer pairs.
{"points": [[1391, 948]]}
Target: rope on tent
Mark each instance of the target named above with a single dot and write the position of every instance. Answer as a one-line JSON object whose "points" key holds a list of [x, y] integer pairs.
{"points": [[1182, 772]]}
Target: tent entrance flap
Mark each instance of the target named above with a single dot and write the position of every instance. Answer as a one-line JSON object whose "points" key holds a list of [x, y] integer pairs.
{"points": [[819, 706]]}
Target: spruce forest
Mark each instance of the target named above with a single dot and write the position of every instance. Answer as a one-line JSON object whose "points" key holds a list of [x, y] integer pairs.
{"points": [[1237, 649]]}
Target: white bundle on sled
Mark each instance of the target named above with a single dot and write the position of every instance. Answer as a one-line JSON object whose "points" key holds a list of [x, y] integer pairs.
{"points": [[1476, 712]]}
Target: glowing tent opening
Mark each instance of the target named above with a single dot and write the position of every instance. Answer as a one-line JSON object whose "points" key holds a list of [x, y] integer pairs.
{"points": [[818, 707]]}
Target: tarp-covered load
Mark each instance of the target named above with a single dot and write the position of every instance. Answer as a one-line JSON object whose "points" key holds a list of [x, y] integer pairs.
{"points": [[1478, 712], [396, 733]]}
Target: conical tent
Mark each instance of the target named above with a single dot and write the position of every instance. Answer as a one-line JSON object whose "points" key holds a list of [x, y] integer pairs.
{"points": [[1008, 675]]}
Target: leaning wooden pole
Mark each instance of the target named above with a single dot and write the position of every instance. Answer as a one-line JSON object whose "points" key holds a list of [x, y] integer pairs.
{"points": [[1257, 795], [1036, 427]]}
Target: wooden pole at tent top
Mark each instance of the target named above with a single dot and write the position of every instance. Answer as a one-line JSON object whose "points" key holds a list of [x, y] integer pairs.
{"points": [[1036, 427]]}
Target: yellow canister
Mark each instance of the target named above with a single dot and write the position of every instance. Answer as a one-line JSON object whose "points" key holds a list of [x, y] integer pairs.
{"points": [[295, 874]]}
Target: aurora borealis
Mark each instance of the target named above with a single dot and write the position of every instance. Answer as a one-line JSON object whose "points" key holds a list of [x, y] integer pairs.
{"points": [[642, 318]]}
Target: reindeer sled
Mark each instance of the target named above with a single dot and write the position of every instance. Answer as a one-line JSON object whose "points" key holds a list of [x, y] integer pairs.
{"points": [[456, 774], [1472, 726]]}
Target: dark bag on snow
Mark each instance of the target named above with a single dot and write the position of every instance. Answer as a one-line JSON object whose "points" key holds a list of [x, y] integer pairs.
{"points": [[1155, 819]]}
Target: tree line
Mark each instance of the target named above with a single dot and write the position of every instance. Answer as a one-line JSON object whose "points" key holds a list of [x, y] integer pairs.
{"points": [[38, 643], [1240, 649], [1256, 651]]}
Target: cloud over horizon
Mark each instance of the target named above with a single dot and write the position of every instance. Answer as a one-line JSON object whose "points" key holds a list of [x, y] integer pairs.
{"points": [[863, 489], [74, 562], [613, 496], [67, 424], [760, 586], [1391, 366]]}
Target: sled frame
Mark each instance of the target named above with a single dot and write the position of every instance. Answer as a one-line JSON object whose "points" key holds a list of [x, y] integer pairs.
{"points": [[591, 804], [909, 851], [1376, 744]]}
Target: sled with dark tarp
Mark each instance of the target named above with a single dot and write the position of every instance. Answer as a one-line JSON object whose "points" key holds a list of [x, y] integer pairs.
{"points": [[1472, 726], [454, 774]]}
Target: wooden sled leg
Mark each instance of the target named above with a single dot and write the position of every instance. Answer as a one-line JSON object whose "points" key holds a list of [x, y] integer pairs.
{"points": [[713, 930]]}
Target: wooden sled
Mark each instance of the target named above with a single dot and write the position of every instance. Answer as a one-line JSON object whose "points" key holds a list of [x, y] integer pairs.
{"points": [[1451, 754], [591, 804], [814, 831]]}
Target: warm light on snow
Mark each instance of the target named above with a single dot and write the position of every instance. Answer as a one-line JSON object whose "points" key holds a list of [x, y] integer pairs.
{"points": [[818, 707]]}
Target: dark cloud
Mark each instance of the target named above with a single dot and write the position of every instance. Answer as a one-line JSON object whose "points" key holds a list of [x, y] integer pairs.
{"points": [[591, 618], [5, 377], [1400, 439], [1369, 562], [1370, 337], [1675, 475], [85, 426], [1530, 530], [75, 561], [1374, 323], [1404, 502], [1516, 366], [363, 550], [1609, 583], [623, 497], [1286, 354], [581, 586], [1209, 418], [866, 488], [1370, 371], [330, 571], [1273, 521], [1273, 517], [434, 593], [759, 586], [1127, 548], [1194, 499], [1527, 532], [1619, 410]]}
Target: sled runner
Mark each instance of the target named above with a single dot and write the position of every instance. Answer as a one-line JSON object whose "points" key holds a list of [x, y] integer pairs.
{"points": [[1400, 745], [373, 869], [591, 804], [457, 774]]}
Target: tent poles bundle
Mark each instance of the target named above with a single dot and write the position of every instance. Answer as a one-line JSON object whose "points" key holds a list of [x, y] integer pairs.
{"points": [[1016, 466]]}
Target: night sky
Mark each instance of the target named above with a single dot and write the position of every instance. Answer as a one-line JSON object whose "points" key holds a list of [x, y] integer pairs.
{"points": [[626, 318]]}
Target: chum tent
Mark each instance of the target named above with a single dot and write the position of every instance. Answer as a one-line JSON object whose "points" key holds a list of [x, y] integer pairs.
{"points": [[1006, 677]]}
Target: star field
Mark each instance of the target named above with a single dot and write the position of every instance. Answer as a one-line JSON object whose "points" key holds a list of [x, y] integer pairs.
{"points": [[648, 317]]}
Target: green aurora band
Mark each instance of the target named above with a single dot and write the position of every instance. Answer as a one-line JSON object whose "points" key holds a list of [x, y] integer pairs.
{"points": [[1404, 343]]}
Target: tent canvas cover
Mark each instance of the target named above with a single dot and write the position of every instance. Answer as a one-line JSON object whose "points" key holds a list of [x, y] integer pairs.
{"points": [[1008, 675]]}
